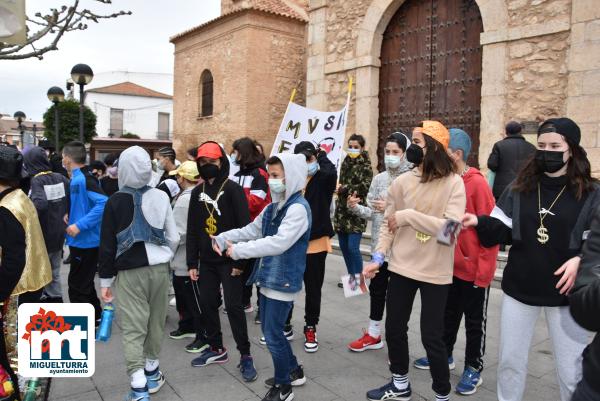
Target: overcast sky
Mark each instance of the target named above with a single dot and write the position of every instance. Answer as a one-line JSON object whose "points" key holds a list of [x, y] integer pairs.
{"points": [[139, 42]]}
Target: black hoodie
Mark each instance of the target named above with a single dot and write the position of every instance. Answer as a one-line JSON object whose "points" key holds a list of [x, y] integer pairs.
{"points": [[50, 194], [234, 213]]}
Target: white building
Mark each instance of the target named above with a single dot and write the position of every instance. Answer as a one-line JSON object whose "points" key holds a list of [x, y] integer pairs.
{"points": [[135, 103]]}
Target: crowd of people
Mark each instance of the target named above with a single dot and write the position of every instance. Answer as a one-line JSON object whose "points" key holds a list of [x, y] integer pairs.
{"points": [[220, 223]]}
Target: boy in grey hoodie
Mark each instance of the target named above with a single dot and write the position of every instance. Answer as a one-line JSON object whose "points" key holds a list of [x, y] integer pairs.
{"points": [[138, 240], [279, 235], [187, 294]]}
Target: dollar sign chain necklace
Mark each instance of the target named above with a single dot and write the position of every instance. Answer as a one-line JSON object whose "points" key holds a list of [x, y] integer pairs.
{"points": [[211, 222], [542, 231]]}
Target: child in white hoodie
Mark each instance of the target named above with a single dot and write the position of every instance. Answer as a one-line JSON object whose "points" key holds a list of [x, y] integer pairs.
{"points": [[137, 241], [279, 235]]}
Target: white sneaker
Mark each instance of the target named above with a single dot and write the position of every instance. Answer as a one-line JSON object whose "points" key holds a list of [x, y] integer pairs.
{"points": [[173, 302]]}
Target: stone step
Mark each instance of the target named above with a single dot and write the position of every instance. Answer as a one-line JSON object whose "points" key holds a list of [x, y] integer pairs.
{"points": [[365, 250]]}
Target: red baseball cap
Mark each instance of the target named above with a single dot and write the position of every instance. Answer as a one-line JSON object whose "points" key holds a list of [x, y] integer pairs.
{"points": [[211, 150]]}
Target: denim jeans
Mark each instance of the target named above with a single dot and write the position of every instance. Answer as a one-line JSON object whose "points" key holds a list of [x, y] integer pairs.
{"points": [[273, 314], [350, 246]]}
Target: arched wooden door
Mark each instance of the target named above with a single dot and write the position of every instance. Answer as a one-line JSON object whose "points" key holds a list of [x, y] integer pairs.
{"points": [[431, 68]]}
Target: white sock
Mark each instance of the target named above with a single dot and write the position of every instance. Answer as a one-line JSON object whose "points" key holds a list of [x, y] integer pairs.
{"points": [[138, 379], [442, 397], [400, 381], [151, 365], [374, 328]]}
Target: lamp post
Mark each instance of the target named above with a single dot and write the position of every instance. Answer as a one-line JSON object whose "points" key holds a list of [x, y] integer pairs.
{"points": [[82, 75], [20, 116], [56, 95]]}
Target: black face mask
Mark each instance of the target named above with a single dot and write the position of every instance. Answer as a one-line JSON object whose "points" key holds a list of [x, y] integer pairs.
{"points": [[208, 171], [414, 154], [549, 161]]}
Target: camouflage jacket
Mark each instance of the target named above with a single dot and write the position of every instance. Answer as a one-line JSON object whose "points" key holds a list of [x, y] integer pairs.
{"points": [[355, 175]]}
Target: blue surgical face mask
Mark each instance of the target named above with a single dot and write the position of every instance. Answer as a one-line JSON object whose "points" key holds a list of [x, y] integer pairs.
{"points": [[313, 168], [276, 185], [392, 161], [233, 159]]}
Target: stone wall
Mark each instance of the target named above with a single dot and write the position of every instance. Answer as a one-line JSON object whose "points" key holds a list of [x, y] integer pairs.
{"points": [[541, 58], [583, 103], [537, 87], [256, 59]]}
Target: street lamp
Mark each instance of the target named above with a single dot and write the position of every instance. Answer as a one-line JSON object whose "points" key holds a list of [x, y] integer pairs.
{"points": [[82, 75], [20, 116], [56, 95]]}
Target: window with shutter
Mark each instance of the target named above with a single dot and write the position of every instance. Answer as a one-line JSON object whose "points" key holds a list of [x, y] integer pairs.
{"points": [[116, 123], [206, 94]]}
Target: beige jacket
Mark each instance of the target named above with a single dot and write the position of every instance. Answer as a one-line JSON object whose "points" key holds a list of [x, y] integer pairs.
{"points": [[421, 210]]}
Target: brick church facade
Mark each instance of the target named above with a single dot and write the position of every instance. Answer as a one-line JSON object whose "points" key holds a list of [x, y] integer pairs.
{"points": [[474, 64]]}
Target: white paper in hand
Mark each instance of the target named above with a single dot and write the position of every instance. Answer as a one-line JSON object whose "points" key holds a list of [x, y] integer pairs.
{"points": [[354, 284]]}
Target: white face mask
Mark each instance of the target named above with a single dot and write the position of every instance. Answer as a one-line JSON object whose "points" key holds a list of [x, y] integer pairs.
{"points": [[392, 161], [233, 159], [313, 168], [276, 185]]}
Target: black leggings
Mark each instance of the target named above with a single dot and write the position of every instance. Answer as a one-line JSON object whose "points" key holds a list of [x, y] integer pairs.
{"points": [[378, 292], [314, 275], [400, 298]]}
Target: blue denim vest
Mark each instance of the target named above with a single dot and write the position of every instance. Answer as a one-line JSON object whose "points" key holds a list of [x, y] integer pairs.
{"points": [[283, 272], [139, 230]]}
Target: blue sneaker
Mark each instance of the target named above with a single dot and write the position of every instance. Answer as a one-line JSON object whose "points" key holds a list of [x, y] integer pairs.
{"points": [[469, 382], [138, 394], [389, 392], [247, 368], [423, 363], [155, 380], [210, 356]]}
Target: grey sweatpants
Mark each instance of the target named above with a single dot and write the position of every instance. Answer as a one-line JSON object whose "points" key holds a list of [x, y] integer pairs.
{"points": [[141, 306], [516, 331], [54, 288]]}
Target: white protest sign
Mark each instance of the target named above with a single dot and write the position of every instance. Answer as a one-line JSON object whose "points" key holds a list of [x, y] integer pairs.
{"points": [[324, 129]]}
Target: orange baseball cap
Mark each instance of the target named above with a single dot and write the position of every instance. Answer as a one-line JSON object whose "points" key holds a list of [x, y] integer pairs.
{"points": [[211, 150], [437, 131]]}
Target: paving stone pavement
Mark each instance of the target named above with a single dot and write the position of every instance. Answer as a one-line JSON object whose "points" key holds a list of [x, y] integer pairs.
{"points": [[334, 373]]}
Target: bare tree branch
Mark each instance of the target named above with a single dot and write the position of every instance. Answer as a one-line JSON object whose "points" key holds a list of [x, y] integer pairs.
{"points": [[54, 25]]}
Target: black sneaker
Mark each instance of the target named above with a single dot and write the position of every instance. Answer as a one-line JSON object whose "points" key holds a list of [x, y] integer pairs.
{"points": [[279, 393], [179, 334], [288, 331], [257, 317], [296, 376], [389, 392], [197, 346]]}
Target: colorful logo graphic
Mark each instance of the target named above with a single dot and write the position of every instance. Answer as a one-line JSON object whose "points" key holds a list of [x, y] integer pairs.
{"points": [[56, 340]]}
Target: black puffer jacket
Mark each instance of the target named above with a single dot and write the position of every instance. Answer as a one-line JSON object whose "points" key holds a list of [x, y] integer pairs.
{"points": [[585, 302], [506, 160]]}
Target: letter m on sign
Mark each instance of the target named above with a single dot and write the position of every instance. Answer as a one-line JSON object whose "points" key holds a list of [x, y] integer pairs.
{"points": [[294, 127], [55, 340]]}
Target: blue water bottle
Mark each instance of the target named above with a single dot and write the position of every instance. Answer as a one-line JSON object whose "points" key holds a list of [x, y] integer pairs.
{"points": [[104, 330]]}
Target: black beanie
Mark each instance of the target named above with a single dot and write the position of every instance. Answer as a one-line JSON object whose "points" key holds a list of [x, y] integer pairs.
{"points": [[306, 148], [563, 126]]}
